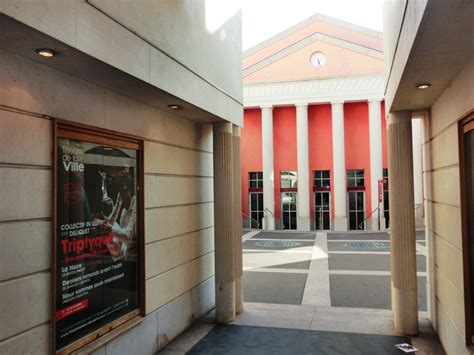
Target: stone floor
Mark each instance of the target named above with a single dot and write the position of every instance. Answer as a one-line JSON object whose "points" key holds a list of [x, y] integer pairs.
{"points": [[317, 291]]}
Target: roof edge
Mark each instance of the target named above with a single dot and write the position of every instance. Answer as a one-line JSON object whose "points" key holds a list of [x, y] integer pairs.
{"points": [[306, 22]]}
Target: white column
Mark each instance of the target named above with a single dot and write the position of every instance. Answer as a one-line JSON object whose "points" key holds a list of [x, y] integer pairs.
{"points": [[339, 167], [402, 224], [237, 187], [376, 166], [268, 173], [303, 166], [416, 125], [224, 253]]}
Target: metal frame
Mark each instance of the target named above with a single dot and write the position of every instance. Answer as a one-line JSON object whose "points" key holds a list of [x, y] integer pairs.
{"points": [[250, 207], [330, 209], [290, 211], [66, 129], [466, 124], [349, 210]]}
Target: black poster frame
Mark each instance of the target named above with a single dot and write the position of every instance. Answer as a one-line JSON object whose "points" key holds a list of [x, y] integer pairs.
{"points": [[75, 131]]}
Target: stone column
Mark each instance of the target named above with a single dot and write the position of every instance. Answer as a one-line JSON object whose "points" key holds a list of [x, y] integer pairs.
{"points": [[402, 223], [224, 243], [268, 173], [376, 165], [339, 167], [416, 126], [303, 167], [239, 295]]}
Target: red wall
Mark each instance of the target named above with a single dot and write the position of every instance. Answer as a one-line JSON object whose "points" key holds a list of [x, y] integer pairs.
{"points": [[357, 146], [284, 143], [320, 146], [251, 150]]}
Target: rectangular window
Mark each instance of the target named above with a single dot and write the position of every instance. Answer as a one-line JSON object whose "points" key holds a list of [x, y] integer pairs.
{"points": [[288, 179], [322, 178], [355, 178], [256, 180], [98, 238]]}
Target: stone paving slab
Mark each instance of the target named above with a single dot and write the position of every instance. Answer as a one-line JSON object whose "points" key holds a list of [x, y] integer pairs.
{"points": [[283, 235], [420, 235], [277, 245], [237, 339], [272, 287], [276, 260], [368, 291], [359, 246], [374, 262]]}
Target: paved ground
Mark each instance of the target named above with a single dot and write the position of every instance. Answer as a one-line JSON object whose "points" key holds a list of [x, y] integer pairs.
{"points": [[352, 270], [313, 293]]}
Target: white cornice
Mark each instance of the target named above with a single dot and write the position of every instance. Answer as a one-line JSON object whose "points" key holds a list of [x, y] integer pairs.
{"points": [[308, 21], [340, 89], [306, 41]]}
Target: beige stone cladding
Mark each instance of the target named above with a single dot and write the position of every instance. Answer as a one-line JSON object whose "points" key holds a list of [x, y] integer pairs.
{"points": [[178, 205], [442, 193]]}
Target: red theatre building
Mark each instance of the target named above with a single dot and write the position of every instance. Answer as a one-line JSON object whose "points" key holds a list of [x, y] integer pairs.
{"points": [[314, 139]]}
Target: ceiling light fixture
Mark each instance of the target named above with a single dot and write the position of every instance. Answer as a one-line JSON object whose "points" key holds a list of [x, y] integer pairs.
{"points": [[423, 86], [173, 107], [45, 52]]}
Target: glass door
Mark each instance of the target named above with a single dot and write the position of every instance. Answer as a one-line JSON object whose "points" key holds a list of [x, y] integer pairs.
{"points": [[256, 209], [288, 210], [322, 210], [356, 210]]}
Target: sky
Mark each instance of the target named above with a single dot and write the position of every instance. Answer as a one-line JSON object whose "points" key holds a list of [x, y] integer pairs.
{"points": [[262, 19]]}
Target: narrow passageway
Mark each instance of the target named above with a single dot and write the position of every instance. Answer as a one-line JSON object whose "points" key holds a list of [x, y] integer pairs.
{"points": [[309, 292]]}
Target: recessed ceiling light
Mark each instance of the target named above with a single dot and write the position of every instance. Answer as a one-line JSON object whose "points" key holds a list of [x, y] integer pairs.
{"points": [[173, 107], [423, 86], [44, 52]]}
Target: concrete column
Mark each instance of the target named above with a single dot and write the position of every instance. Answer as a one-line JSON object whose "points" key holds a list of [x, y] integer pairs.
{"points": [[416, 126], [268, 173], [239, 295], [303, 167], [339, 167], [224, 243], [402, 224], [376, 165]]}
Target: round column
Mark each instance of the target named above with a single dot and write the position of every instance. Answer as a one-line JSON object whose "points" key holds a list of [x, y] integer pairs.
{"points": [[267, 162], [303, 167], [239, 295], [224, 222], [339, 167], [376, 164], [402, 224]]}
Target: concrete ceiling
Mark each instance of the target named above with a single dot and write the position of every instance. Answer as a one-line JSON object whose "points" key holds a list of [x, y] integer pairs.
{"points": [[22, 40], [443, 45]]}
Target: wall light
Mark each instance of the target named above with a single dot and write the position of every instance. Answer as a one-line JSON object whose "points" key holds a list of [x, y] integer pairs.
{"points": [[173, 107], [423, 86], [45, 52]]}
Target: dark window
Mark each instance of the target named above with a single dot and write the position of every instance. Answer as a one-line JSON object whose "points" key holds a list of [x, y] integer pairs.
{"points": [[256, 180], [321, 178], [355, 178], [288, 179]]}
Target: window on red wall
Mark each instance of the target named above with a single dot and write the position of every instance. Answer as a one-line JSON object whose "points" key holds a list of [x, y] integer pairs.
{"points": [[256, 180], [355, 178], [322, 178], [288, 179]]}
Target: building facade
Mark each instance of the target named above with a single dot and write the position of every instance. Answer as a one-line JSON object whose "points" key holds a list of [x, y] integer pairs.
{"points": [[117, 130], [314, 139], [429, 50]]}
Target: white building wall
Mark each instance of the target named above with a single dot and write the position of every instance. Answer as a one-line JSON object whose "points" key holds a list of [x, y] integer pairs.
{"points": [[178, 207], [443, 219]]}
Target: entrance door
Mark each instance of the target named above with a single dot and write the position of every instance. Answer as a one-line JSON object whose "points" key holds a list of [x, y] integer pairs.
{"points": [[356, 210], [322, 210], [256, 209], [288, 210]]}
